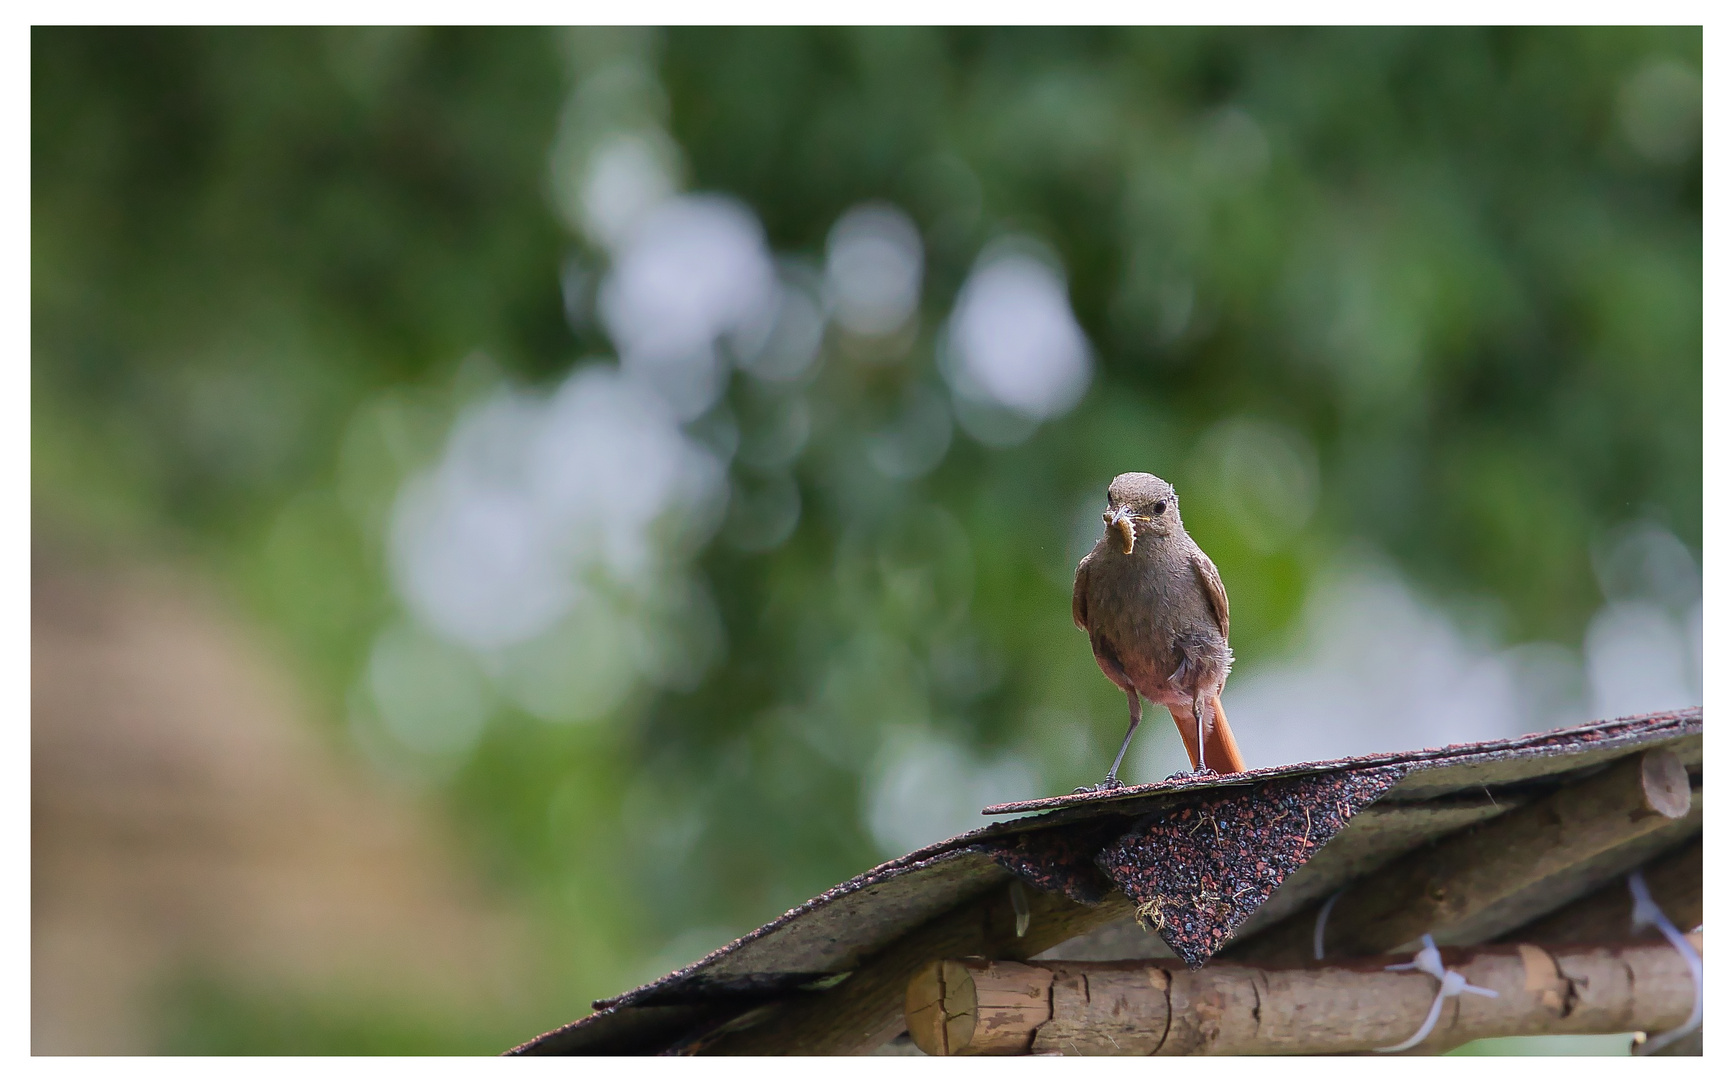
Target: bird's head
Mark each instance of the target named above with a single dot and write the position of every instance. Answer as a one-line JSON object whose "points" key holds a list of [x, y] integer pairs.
{"points": [[1140, 504]]}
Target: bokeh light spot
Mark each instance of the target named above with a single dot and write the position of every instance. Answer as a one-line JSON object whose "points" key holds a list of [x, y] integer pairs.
{"points": [[1014, 343], [873, 269]]}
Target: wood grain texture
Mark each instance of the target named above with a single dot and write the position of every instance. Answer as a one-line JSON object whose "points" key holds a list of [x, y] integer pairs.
{"points": [[977, 1007], [1159, 1007]]}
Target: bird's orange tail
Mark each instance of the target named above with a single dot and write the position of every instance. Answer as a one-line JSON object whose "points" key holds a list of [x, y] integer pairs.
{"points": [[1223, 755]]}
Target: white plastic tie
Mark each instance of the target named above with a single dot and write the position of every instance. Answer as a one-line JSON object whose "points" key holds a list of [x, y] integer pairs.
{"points": [[1454, 984], [1647, 913], [1322, 920]]}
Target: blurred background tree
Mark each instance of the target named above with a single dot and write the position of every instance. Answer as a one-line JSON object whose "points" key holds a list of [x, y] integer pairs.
{"points": [[665, 453]]}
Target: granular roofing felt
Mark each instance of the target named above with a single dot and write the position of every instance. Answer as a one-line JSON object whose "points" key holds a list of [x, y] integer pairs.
{"points": [[1196, 871], [1204, 858]]}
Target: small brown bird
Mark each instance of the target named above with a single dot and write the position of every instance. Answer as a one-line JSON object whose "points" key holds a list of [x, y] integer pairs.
{"points": [[1153, 607]]}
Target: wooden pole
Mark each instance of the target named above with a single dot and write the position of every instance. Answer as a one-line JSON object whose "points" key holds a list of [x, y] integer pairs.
{"points": [[965, 1007], [1674, 879], [1486, 880], [865, 1010]]}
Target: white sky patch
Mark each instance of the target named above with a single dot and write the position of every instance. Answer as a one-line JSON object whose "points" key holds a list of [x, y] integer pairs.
{"points": [[1643, 648], [552, 539], [612, 160], [924, 787], [695, 270], [1378, 667], [1381, 669], [1640, 658], [875, 263], [1013, 342], [607, 463], [628, 176], [469, 550]]}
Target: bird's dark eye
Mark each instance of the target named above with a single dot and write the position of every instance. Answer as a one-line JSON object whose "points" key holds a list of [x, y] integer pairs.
{"points": [[1160, 508]]}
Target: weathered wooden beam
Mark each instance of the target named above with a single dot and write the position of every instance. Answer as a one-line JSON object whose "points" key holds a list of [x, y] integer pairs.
{"points": [[1674, 879], [865, 1010], [979, 1007], [1459, 888], [957, 1007]]}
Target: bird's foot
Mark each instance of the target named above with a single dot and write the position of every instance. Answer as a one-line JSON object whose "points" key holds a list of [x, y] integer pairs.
{"points": [[1193, 774], [1111, 783]]}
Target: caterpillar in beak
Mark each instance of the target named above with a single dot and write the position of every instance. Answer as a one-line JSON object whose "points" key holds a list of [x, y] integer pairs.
{"points": [[1125, 523]]}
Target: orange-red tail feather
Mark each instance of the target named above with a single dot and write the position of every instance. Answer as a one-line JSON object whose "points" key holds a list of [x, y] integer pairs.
{"points": [[1223, 755]]}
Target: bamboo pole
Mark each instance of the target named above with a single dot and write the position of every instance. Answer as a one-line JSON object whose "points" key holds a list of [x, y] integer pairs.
{"points": [[1482, 881], [966, 1007]]}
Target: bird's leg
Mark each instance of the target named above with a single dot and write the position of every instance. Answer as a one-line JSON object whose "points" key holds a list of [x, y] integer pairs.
{"points": [[1197, 704], [1112, 780], [1198, 749], [1135, 718]]}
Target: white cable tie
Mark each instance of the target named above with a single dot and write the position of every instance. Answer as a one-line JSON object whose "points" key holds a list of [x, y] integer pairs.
{"points": [[1322, 919], [1453, 984], [1648, 913]]}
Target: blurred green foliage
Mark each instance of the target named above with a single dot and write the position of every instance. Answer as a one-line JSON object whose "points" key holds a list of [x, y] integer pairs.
{"points": [[1464, 266]]}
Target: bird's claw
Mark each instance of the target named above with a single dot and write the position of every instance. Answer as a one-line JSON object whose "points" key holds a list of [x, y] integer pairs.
{"points": [[1193, 774], [1111, 783]]}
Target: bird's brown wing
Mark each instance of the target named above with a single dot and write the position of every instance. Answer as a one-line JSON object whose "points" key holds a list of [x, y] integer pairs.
{"points": [[1079, 595], [1210, 578]]}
